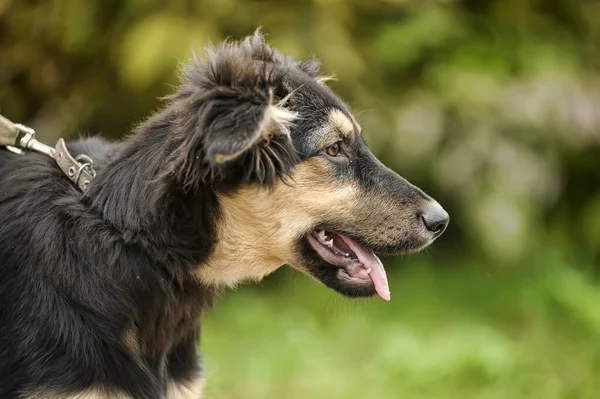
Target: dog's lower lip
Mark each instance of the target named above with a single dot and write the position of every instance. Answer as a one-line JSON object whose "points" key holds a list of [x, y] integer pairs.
{"points": [[362, 278]]}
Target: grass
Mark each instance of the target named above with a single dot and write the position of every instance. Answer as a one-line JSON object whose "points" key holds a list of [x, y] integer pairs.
{"points": [[448, 334]]}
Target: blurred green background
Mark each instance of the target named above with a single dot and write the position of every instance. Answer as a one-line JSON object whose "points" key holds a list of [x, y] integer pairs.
{"points": [[493, 107]]}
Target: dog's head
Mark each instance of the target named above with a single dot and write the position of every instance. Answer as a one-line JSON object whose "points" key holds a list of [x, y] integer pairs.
{"points": [[294, 180]]}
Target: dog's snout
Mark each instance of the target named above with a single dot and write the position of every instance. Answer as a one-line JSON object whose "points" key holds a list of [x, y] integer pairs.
{"points": [[435, 219]]}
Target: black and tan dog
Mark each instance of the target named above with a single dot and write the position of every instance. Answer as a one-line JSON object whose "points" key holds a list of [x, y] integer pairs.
{"points": [[254, 163]]}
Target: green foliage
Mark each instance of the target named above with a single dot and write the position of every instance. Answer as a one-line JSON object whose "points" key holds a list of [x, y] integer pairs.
{"points": [[492, 107]]}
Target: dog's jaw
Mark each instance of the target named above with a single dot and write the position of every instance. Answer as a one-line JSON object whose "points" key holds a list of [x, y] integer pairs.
{"points": [[230, 270]]}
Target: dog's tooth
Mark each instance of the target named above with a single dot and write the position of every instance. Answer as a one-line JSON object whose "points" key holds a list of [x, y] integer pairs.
{"points": [[347, 255], [369, 270], [329, 243]]}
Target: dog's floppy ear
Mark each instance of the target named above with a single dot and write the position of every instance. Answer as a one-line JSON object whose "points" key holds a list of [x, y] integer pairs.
{"points": [[240, 119], [230, 116]]}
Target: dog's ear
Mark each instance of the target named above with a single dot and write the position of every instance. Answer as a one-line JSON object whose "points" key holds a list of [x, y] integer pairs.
{"points": [[231, 119], [241, 119]]}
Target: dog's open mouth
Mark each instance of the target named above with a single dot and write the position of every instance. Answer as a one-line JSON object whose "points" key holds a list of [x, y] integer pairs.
{"points": [[356, 264]]}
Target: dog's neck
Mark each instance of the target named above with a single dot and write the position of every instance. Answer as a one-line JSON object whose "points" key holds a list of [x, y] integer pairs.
{"points": [[135, 193], [242, 252], [172, 232], [252, 240]]}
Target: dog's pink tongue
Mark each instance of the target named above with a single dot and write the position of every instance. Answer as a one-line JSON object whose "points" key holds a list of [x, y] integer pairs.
{"points": [[371, 261]]}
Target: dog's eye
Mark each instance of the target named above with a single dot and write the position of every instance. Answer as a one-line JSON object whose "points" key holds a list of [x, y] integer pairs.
{"points": [[334, 149]]}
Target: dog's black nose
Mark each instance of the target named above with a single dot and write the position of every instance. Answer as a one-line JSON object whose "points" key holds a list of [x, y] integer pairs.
{"points": [[435, 218]]}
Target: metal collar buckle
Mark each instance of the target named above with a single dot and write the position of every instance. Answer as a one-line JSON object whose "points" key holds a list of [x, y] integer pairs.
{"points": [[16, 138], [80, 170]]}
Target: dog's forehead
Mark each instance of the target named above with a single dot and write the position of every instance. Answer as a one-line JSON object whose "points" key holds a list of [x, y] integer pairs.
{"points": [[313, 93]]}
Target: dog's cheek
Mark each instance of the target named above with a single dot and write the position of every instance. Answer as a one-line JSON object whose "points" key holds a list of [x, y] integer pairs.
{"points": [[316, 198], [320, 194]]}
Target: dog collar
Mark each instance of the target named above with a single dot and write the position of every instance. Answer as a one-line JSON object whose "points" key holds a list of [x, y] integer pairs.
{"points": [[17, 138]]}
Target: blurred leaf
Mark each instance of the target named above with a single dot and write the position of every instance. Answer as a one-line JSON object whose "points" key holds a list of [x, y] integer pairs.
{"points": [[426, 30], [152, 48], [80, 26]]}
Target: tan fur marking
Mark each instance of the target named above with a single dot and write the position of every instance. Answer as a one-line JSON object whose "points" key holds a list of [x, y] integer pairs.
{"points": [[359, 127], [259, 228], [91, 393], [131, 341], [341, 123], [192, 390]]}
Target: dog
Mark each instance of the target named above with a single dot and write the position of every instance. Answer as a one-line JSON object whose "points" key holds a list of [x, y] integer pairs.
{"points": [[252, 164]]}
